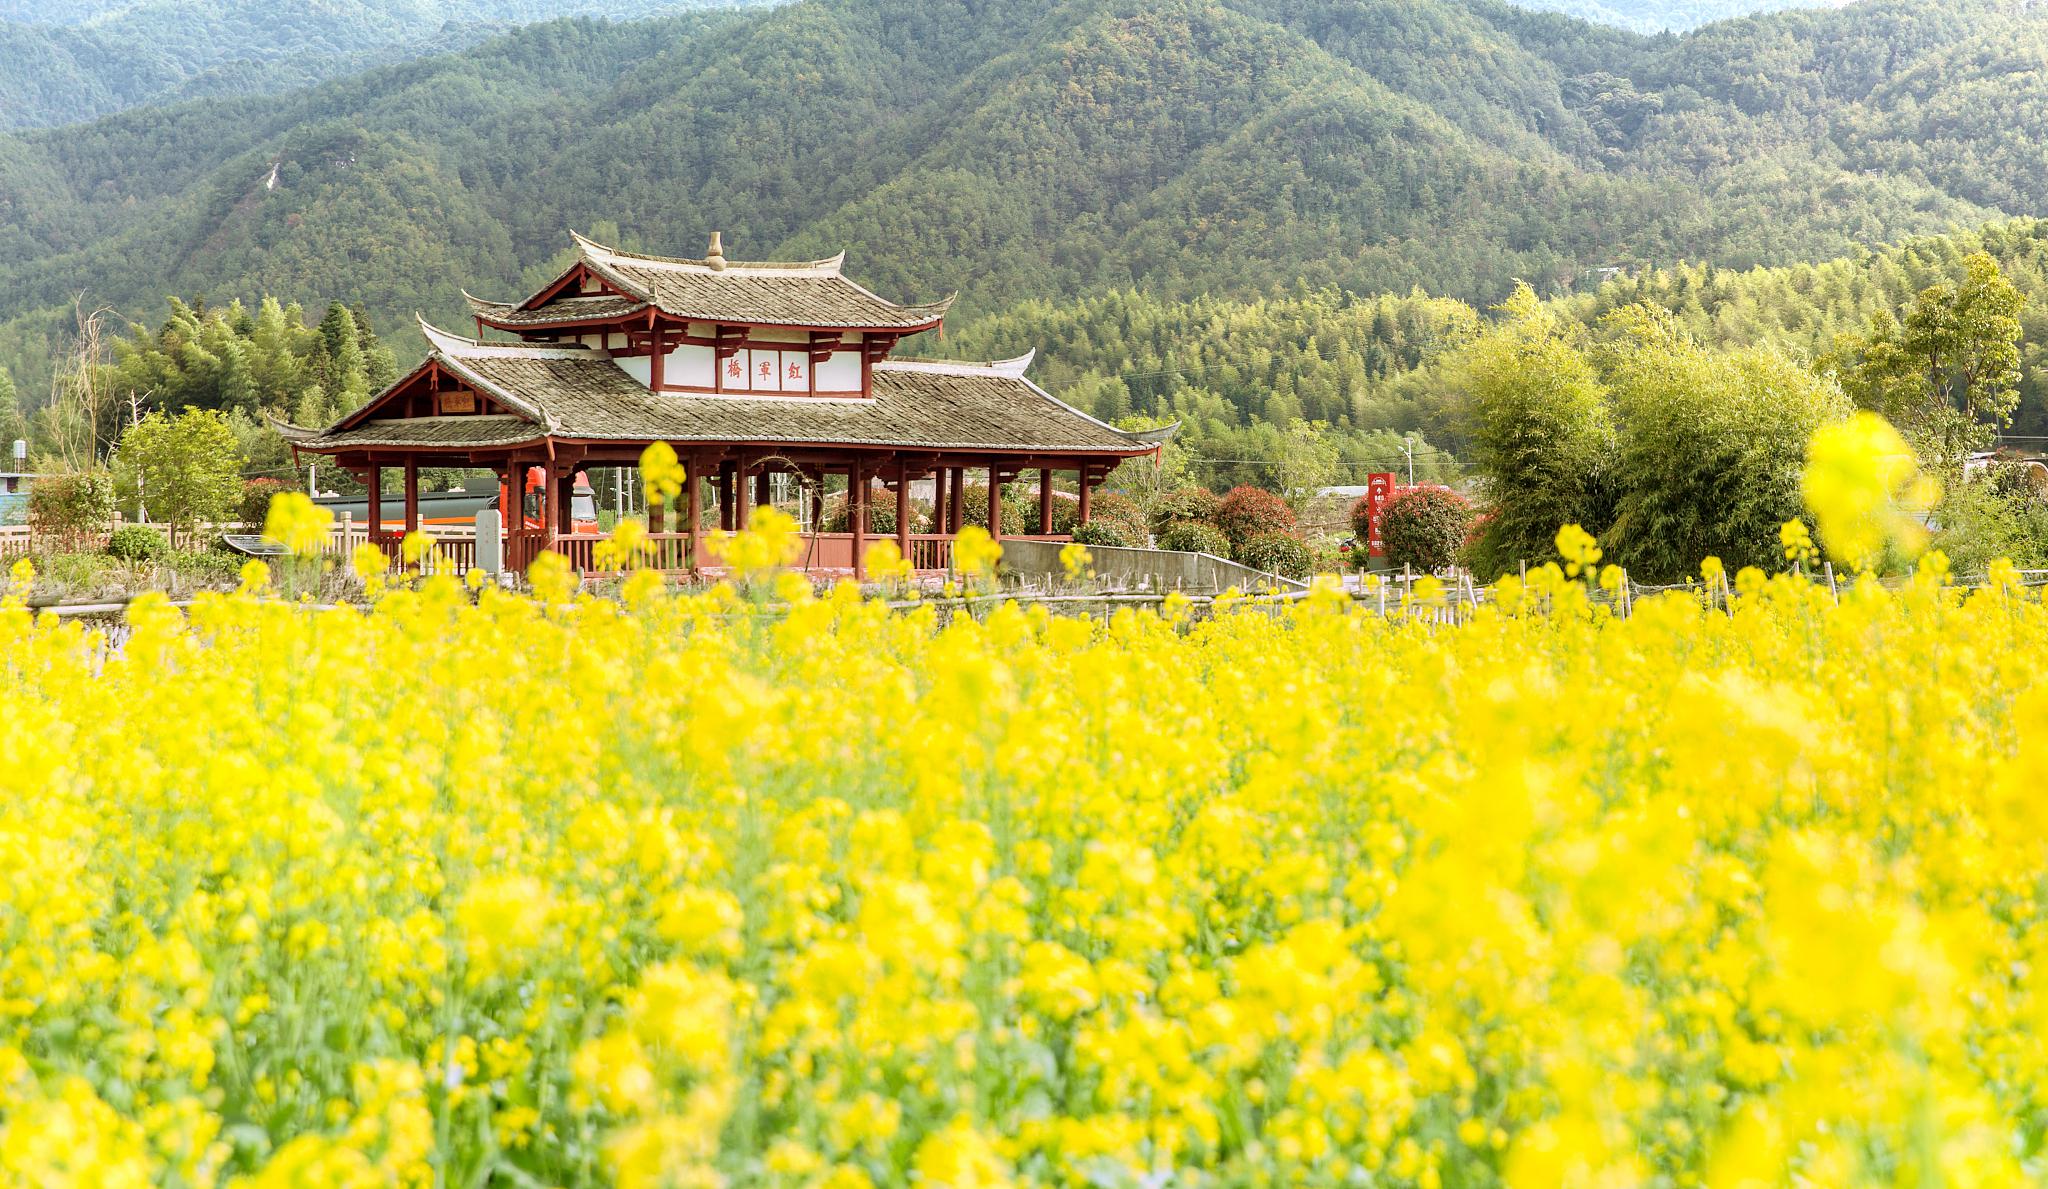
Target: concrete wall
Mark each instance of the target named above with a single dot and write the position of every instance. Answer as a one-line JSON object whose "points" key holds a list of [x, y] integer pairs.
{"points": [[1140, 569]]}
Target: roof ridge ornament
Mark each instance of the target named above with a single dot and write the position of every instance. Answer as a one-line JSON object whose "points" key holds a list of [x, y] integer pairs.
{"points": [[715, 256]]}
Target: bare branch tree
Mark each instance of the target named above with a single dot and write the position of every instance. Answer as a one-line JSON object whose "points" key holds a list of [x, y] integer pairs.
{"points": [[79, 403]]}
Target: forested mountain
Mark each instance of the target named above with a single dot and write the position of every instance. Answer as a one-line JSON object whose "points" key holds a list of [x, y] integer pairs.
{"points": [[62, 61], [1237, 373], [1656, 16], [1051, 149]]}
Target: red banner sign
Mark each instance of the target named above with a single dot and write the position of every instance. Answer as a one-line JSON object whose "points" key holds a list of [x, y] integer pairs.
{"points": [[1379, 489]]}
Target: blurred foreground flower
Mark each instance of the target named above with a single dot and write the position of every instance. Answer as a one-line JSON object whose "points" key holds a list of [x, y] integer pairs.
{"points": [[1863, 484], [297, 523], [770, 542], [975, 553]]}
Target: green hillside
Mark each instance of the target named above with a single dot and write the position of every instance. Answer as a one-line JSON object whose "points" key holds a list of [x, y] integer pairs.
{"points": [[61, 63], [1656, 16], [1043, 149]]}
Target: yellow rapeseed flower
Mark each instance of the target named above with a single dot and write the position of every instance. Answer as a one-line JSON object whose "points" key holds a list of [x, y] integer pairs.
{"points": [[297, 523], [1864, 487], [661, 474]]}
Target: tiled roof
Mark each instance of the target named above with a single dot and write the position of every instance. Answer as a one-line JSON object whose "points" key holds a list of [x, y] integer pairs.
{"points": [[713, 289], [481, 431], [566, 309], [579, 393]]}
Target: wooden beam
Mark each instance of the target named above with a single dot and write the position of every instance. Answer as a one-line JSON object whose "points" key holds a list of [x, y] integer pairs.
{"points": [[376, 486], [1087, 496], [959, 496], [1044, 501], [412, 496]]}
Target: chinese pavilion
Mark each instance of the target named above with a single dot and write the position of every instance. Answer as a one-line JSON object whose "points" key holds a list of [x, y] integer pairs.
{"points": [[747, 371]]}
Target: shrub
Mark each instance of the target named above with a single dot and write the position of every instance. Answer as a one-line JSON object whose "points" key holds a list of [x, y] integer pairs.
{"points": [[1249, 512], [207, 568], [1066, 513], [1278, 553], [1103, 532], [137, 543], [1122, 512], [1425, 529], [78, 573], [1189, 505], [974, 510], [65, 511], [1195, 537], [881, 516], [256, 495]]}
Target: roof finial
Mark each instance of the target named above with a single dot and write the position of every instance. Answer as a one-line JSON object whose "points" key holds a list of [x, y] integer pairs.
{"points": [[716, 256]]}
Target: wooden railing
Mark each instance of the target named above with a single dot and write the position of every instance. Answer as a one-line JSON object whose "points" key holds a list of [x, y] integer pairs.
{"points": [[931, 553], [450, 554], [455, 547]]}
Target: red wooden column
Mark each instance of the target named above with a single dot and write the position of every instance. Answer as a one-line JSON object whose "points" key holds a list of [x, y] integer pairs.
{"points": [[817, 484], [693, 513], [546, 494], [995, 500], [903, 509], [958, 496], [725, 494], [565, 502], [657, 514], [376, 502], [512, 514], [1045, 501], [1087, 494], [857, 517], [942, 507], [764, 491], [738, 483], [412, 496]]}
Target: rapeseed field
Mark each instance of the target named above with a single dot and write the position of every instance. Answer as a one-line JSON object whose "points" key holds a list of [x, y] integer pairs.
{"points": [[478, 889]]}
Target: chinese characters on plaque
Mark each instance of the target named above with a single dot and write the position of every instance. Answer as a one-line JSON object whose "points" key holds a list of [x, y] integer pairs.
{"points": [[759, 370]]}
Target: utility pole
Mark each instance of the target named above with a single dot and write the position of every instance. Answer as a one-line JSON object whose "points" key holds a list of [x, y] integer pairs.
{"points": [[1408, 446]]}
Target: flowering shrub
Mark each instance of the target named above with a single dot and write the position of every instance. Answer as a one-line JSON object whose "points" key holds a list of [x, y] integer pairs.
{"points": [[256, 496], [1278, 553], [1580, 900], [1249, 512], [1425, 528]]}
